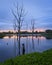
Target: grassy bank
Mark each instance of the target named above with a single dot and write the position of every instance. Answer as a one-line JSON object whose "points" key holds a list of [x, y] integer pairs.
{"points": [[44, 58]]}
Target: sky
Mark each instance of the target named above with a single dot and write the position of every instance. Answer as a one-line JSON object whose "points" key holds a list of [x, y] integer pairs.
{"points": [[40, 10]]}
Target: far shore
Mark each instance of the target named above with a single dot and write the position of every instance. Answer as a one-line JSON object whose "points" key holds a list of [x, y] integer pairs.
{"points": [[48, 35]]}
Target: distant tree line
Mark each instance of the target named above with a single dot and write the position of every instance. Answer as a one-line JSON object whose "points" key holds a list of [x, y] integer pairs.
{"points": [[48, 31]]}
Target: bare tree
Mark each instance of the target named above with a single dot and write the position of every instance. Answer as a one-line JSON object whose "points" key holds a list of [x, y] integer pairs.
{"points": [[18, 14], [33, 23], [14, 25]]}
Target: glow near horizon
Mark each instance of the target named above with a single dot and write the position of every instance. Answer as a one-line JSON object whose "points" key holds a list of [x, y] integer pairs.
{"points": [[38, 30]]}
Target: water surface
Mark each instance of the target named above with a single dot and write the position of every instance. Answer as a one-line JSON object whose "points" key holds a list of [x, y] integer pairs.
{"points": [[9, 46]]}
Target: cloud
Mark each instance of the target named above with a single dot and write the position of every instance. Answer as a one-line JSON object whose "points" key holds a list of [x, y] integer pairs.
{"points": [[41, 10], [6, 26]]}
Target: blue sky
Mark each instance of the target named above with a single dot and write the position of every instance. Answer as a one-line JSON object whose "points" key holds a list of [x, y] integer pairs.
{"points": [[40, 10]]}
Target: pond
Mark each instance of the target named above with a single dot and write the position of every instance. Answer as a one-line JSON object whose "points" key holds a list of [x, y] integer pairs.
{"points": [[9, 46]]}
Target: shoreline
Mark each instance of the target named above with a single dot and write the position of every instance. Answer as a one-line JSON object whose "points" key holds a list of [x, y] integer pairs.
{"points": [[35, 58]]}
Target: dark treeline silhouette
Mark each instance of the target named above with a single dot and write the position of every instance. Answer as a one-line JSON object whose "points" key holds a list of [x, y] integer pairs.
{"points": [[48, 31], [21, 32], [48, 34], [26, 32]]}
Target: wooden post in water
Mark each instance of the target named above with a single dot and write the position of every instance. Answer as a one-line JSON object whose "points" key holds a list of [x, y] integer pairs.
{"points": [[23, 48]]}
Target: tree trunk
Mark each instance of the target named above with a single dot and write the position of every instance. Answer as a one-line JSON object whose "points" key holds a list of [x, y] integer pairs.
{"points": [[19, 42], [19, 38]]}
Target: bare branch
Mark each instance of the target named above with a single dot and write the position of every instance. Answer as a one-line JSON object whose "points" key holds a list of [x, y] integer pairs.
{"points": [[19, 16], [14, 15]]}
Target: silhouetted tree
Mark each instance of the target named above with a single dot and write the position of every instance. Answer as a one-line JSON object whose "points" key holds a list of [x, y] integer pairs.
{"points": [[19, 17], [36, 32], [48, 31], [32, 23]]}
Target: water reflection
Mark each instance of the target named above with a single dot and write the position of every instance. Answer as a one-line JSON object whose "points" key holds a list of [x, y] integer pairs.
{"points": [[9, 45], [6, 37], [33, 42], [14, 36], [32, 37]]}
